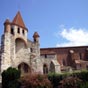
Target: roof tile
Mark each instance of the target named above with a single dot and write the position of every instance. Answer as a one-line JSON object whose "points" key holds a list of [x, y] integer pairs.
{"points": [[18, 20]]}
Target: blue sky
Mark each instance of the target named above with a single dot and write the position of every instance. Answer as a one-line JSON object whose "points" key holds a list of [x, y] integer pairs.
{"points": [[58, 22]]}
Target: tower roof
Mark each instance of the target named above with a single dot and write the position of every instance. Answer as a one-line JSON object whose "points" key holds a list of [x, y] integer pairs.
{"points": [[6, 21], [18, 20], [36, 35]]}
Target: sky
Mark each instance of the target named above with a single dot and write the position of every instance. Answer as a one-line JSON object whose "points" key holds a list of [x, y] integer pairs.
{"points": [[60, 23]]}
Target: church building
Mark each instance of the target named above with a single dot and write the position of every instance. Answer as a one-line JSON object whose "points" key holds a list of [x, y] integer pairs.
{"points": [[22, 53]]}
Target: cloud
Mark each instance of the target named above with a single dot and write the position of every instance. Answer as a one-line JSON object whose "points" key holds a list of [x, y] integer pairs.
{"points": [[74, 36]]}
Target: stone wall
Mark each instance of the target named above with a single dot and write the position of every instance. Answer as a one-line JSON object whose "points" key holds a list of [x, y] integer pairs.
{"points": [[22, 56], [48, 62], [5, 54]]}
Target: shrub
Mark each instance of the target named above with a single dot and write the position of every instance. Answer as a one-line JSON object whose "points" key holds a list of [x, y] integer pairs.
{"points": [[56, 78], [10, 78], [35, 81], [84, 85], [83, 75], [70, 82]]}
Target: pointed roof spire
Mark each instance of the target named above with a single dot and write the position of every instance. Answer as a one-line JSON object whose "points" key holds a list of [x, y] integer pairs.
{"points": [[18, 20]]}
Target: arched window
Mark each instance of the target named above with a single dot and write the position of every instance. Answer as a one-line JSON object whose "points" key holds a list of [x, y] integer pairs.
{"points": [[18, 31], [45, 56], [80, 55], [24, 68], [12, 30], [31, 49], [52, 67], [23, 32], [34, 40], [45, 69]]}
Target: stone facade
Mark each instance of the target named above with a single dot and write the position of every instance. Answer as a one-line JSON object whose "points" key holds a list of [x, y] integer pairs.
{"points": [[20, 52]]}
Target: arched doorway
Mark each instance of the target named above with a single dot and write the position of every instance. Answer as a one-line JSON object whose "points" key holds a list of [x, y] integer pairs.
{"points": [[45, 69], [52, 67], [24, 68]]}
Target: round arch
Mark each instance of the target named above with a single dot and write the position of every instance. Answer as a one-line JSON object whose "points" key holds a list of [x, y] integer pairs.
{"points": [[45, 68], [52, 67], [20, 43], [24, 68]]}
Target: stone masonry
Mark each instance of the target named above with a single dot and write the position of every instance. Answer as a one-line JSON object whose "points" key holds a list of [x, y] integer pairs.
{"points": [[20, 52]]}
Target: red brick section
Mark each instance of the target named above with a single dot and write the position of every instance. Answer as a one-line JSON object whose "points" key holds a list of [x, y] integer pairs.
{"points": [[18, 20], [63, 53], [64, 50]]}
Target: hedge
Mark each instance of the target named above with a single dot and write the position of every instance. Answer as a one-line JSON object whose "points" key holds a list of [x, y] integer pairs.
{"points": [[56, 78], [11, 75]]}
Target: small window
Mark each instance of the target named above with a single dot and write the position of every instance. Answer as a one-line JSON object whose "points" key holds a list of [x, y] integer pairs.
{"points": [[34, 40], [31, 49], [18, 30], [23, 32], [45, 56], [64, 62], [12, 30], [45, 69], [80, 55]]}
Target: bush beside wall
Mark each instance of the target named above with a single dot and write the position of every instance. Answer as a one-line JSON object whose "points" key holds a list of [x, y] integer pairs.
{"points": [[10, 78], [56, 78], [52, 80], [35, 81]]}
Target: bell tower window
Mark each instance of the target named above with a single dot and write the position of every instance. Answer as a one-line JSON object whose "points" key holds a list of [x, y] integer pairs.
{"points": [[23, 32], [31, 49], [12, 30], [18, 30], [34, 40]]}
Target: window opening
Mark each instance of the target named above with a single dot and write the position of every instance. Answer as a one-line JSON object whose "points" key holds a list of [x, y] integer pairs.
{"points": [[12, 30], [31, 49], [34, 40], [80, 55], [45, 69], [18, 30], [45, 56], [23, 32]]}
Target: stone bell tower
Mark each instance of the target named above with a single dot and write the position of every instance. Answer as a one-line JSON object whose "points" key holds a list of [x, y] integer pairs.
{"points": [[36, 43], [15, 33]]}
